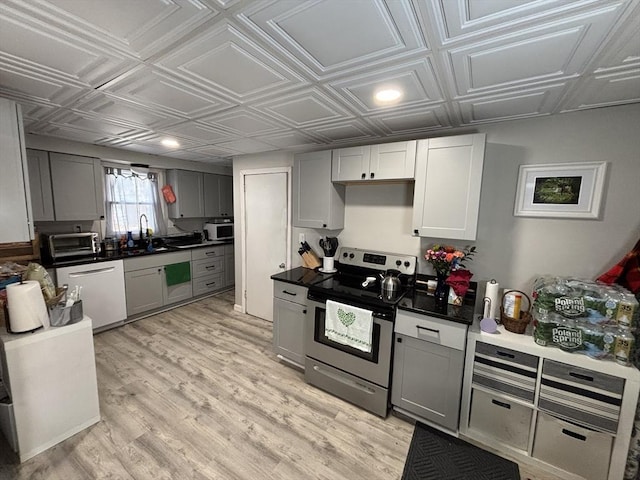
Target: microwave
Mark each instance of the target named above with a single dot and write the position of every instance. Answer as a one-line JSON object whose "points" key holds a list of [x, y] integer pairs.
{"points": [[219, 231], [69, 246]]}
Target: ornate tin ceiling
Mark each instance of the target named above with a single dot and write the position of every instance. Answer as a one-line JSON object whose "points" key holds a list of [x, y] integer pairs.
{"points": [[229, 77]]}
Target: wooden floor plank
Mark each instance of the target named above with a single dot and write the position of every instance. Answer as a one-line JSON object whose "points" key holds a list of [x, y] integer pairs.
{"points": [[197, 393]]}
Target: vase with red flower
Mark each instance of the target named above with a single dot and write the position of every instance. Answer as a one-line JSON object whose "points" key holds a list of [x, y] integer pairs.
{"points": [[446, 259]]}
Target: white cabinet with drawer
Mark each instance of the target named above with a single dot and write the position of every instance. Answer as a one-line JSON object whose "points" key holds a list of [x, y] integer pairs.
{"points": [[289, 310], [569, 413]]}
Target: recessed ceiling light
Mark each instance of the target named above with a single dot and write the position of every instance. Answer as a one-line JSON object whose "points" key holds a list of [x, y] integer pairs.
{"points": [[388, 95], [170, 142]]}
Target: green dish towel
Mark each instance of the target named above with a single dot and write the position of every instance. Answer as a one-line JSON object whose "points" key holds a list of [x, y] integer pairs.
{"points": [[177, 273]]}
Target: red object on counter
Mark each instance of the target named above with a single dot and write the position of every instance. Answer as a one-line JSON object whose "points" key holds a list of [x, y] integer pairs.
{"points": [[626, 272], [459, 281]]}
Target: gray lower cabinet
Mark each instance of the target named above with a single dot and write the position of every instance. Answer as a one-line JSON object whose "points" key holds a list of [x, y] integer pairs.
{"points": [[289, 311], [208, 269], [428, 368], [229, 266], [144, 290], [146, 284]]}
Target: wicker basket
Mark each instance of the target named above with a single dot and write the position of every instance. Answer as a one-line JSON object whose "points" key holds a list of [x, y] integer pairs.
{"points": [[516, 325]]}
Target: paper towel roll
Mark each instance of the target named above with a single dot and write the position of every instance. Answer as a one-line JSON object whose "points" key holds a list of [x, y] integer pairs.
{"points": [[27, 310], [492, 293]]}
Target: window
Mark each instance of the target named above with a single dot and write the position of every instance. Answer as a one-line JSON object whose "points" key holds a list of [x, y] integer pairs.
{"points": [[129, 195]]}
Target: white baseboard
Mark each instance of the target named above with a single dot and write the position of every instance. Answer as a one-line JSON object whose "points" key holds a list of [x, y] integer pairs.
{"points": [[238, 308]]}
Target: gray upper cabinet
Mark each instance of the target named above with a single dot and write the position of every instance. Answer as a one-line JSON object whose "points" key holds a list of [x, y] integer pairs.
{"points": [[387, 161], [439, 210], [317, 203], [225, 183], [40, 185], [218, 195], [14, 187], [189, 190], [77, 187]]}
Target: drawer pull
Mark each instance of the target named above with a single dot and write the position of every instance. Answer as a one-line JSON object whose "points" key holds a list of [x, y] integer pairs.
{"points": [[429, 329], [209, 284], [581, 376], [501, 404], [208, 254], [505, 354], [210, 267], [289, 293], [575, 435]]}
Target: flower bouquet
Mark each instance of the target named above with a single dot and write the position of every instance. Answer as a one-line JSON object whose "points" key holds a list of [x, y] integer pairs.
{"points": [[449, 265]]}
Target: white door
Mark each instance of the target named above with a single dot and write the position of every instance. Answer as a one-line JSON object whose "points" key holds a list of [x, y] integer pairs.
{"points": [[266, 232]]}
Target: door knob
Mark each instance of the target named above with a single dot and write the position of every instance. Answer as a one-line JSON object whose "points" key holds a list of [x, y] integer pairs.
{"points": [[282, 265]]}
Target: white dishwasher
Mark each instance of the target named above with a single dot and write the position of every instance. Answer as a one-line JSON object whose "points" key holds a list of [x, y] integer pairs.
{"points": [[103, 296]]}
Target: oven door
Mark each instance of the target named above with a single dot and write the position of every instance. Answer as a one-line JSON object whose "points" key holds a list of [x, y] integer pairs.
{"points": [[374, 366]]}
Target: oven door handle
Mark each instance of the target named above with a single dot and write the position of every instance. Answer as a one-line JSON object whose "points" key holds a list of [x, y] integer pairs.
{"points": [[346, 381]]}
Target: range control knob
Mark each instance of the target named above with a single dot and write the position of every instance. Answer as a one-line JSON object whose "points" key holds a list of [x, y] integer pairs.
{"points": [[351, 255], [398, 262], [345, 254], [407, 264]]}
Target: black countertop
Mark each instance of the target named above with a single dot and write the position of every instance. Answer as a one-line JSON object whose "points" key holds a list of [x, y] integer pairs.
{"points": [[419, 301], [123, 255], [300, 276], [423, 303]]}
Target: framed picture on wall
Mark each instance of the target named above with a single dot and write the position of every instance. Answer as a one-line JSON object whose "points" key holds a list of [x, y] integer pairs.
{"points": [[560, 190]]}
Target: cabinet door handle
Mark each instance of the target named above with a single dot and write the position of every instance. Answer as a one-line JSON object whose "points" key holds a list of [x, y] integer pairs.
{"points": [[575, 435], [416, 232], [304, 311], [289, 293], [373, 174], [505, 354], [588, 378], [501, 404], [364, 175], [324, 225]]}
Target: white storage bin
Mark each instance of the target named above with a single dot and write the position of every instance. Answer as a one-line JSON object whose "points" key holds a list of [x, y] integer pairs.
{"points": [[584, 452], [501, 419]]}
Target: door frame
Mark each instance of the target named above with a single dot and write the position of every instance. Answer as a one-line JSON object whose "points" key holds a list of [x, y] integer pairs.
{"points": [[243, 227]]}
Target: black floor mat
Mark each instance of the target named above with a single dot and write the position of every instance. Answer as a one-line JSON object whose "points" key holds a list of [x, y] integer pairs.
{"points": [[434, 455]]}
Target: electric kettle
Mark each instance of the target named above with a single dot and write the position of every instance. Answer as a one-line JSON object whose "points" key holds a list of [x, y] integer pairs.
{"points": [[390, 285]]}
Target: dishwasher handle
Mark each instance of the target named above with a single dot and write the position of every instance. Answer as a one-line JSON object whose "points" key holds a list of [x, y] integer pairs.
{"points": [[96, 271]]}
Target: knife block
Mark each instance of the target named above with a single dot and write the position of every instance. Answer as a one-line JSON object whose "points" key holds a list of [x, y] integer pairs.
{"points": [[310, 259]]}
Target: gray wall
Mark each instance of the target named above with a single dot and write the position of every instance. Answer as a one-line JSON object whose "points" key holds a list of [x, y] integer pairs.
{"points": [[513, 250]]}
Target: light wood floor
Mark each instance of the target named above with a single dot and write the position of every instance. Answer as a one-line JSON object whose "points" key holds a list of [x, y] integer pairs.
{"points": [[196, 393]]}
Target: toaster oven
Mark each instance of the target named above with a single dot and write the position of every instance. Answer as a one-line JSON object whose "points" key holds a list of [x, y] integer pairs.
{"points": [[69, 246]]}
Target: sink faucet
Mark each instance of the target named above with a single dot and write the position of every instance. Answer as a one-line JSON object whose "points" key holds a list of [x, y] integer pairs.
{"points": [[146, 220]]}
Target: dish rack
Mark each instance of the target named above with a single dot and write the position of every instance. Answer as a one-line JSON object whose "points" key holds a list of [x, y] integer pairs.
{"points": [[516, 325]]}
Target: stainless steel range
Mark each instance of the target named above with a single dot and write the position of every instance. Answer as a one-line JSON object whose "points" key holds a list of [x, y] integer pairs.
{"points": [[360, 375]]}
